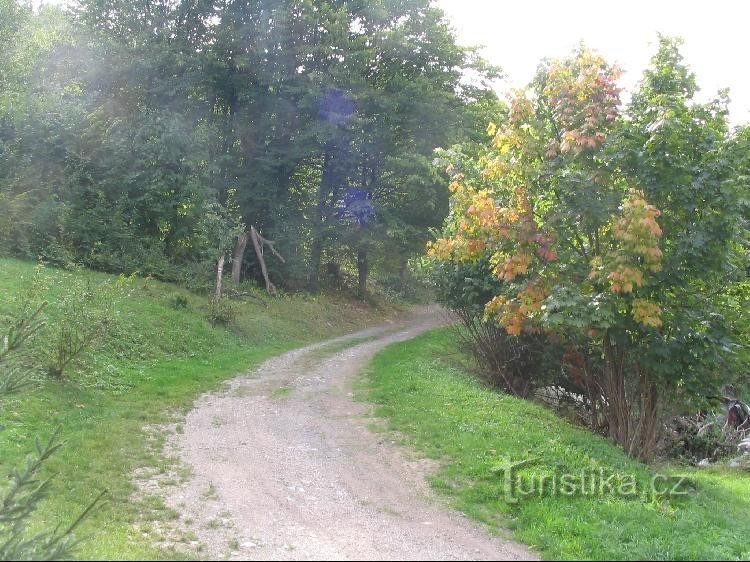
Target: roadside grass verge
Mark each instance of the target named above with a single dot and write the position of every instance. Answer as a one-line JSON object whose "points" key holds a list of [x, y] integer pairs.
{"points": [[477, 434], [158, 359]]}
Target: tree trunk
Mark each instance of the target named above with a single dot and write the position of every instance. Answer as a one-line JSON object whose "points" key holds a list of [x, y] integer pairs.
{"points": [[403, 268], [327, 181], [646, 434], [270, 289], [238, 257], [618, 407], [258, 243], [362, 272], [219, 277], [316, 251], [632, 402]]}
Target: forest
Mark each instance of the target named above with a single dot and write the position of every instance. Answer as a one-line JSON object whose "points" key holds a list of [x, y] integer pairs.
{"points": [[195, 194], [152, 137]]}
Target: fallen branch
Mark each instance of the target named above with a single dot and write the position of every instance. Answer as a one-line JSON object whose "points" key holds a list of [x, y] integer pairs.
{"points": [[258, 243]]}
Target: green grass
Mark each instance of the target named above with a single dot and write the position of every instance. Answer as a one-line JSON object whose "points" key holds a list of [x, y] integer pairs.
{"points": [[476, 433], [152, 367]]}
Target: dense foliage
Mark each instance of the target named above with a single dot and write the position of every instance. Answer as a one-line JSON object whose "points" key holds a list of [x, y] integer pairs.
{"points": [[145, 136], [619, 235]]}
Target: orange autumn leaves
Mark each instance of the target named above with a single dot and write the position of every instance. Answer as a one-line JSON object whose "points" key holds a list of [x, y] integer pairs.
{"points": [[584, 97], [515, 314], [515, 244], [565, 121], [477, 224], [579, 95], [518, 252], [637, 254]]}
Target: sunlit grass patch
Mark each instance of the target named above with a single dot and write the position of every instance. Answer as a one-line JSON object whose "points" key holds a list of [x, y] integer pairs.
{"points": [[475, 432]]}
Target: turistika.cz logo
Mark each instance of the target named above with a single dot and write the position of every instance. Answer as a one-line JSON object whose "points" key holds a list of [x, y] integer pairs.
{"points": [[531, 478]]}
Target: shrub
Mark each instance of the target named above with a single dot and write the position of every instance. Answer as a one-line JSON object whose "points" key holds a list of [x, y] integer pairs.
{"points": [[20, 500], [220, 312], [86, 314], [517, 365], [178, 302], [700, 437]]}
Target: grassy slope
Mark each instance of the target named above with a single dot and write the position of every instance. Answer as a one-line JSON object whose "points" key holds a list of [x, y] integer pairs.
{"points": [[447, 416], [156, 363]]}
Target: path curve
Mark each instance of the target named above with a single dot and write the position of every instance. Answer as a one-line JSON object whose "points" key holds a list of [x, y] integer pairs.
{"points": [[284, 467]]}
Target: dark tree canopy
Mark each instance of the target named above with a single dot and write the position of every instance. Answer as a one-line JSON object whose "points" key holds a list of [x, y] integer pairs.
{"points": [[144, 135]]}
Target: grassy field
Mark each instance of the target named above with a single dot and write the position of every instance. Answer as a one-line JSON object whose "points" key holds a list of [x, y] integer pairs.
{"points": [[478, 434], [161, 355]]}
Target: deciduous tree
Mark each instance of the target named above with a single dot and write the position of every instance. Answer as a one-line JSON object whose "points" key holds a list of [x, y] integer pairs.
{"points": [[611, 231]]}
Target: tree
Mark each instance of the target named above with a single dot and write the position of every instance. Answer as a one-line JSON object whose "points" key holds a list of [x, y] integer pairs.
{"points": [[600, 226], [398, 96], [140, 117], [24, 113]]}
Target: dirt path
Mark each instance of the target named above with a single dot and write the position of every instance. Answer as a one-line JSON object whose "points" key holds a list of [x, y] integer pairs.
{"points": [[284, 467]]}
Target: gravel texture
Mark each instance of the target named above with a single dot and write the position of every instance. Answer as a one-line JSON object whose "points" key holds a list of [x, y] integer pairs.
{"points": [[285, 466]]}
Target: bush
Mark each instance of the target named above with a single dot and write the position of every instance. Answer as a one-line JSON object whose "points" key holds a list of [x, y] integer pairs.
{"points": [[18, 503], [86, 315], [517, 365], [404, 286], [178, 302], [598, 240], [220, 312]]}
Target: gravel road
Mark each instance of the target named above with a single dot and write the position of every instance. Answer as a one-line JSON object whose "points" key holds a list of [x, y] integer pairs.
{"points": [[285, 467]]}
